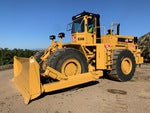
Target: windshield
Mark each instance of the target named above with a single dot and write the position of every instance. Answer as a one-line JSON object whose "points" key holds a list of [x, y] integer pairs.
{"points": [[78, 26]]}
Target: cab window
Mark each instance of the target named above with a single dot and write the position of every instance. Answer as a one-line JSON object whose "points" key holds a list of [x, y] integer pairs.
{"points": [[78, 26], [90, 25]]}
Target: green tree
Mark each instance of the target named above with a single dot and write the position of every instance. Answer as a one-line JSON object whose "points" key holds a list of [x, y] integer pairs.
{"points": [[6, 55]]}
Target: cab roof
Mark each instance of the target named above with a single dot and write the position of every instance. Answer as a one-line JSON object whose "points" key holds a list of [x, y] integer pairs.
{"points": [[83, 14]]}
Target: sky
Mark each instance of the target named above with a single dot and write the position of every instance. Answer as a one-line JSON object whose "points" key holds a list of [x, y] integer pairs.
{"points": [[27, 24]]}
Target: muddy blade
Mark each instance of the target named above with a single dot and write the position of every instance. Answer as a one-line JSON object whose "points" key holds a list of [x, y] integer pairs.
{"points": [[27, 78]]}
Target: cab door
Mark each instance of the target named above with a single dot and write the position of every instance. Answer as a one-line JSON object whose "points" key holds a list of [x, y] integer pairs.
{"points": [[90, 35], [78, 31]]}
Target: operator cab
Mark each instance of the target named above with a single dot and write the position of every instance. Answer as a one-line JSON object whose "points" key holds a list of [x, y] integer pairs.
{"points": [[86, 28]]}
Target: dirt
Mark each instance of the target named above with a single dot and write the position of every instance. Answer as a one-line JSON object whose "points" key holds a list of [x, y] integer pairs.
{"points": [[101, 96]]}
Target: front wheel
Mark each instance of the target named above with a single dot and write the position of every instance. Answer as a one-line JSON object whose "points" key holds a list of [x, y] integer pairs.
{"points": [[68, 61], [38, 55]]}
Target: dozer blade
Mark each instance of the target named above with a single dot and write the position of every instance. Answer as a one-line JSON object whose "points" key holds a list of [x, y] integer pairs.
{"points": [[27, 77]]}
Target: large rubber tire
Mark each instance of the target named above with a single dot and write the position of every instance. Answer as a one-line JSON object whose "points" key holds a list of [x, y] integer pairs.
{"points": [[123, 67], [38, 54], [70, 55]]}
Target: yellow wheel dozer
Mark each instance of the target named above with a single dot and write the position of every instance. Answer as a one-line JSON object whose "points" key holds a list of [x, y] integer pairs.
{"points": [[83, 60]]}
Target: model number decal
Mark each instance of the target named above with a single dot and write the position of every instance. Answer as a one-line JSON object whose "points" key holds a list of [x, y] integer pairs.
{"points": [[80, 38]]}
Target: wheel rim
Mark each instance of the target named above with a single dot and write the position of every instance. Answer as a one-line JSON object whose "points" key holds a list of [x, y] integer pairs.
{"points": [[126, 66], [71, 67]]}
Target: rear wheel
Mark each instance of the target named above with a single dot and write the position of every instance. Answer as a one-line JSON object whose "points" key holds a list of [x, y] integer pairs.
{"points": [[123, 67], [68, 61]]}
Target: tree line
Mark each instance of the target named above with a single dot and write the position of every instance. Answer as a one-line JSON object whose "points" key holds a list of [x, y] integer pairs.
{"points": [[6, 55]]}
